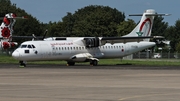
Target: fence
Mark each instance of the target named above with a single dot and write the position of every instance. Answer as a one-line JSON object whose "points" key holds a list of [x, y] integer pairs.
{"points": [[147, 55]]}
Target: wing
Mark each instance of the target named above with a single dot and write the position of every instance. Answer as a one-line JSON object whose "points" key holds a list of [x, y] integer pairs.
{"points": [[113, 40], [99, 41]]}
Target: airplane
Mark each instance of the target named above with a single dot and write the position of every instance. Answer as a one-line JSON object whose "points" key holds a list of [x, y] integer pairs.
{"points": [[89, 49], [6, 30]]}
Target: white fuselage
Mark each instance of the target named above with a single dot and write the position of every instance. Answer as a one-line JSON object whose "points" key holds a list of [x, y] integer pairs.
{"points": [[66, 50]]}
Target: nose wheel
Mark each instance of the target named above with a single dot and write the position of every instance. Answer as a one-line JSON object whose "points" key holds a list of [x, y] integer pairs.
{"points": [[22, 64]]}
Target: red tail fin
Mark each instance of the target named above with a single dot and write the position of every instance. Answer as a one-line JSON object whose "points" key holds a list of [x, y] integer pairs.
{"points": [[6, 28]]}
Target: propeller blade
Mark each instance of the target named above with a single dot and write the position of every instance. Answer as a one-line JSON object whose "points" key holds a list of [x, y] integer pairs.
{"points": [[45, 34]]}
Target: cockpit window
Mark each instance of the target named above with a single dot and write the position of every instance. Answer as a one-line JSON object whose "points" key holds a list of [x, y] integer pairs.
{"points": [[23, 46], [33, 46], [29, 46]]}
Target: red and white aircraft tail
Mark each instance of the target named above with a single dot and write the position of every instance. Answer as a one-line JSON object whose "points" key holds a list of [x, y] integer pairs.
{"points": [[6, 30], [143, 29]]}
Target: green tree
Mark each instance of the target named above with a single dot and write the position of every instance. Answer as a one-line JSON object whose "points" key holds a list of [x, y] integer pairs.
{"points": [[56, 29], [92, 20], [178, 47], [22, 27], [170, 35], [159, 26], [5, 7], [68, 24], [173, 34], [159, 29], [125, 27]]}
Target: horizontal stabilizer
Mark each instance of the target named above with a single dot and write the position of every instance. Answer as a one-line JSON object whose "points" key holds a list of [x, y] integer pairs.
{"points": [[157, 14], [158, 37], [135, 14], [122, 38], [150, 14]]}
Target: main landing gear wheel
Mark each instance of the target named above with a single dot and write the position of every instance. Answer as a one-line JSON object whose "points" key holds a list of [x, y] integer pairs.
{"points": [[22, 64], [93, 62], [70, 63]]}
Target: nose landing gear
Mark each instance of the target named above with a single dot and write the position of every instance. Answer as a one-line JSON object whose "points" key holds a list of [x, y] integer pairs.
{"points": [[22, 64]]}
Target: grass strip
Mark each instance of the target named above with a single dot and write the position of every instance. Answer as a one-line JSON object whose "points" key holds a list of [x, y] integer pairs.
{"points": [[149, 62]]}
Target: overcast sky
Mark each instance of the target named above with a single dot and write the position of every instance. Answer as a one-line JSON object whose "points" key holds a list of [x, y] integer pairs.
{"points": [[55, 10]]}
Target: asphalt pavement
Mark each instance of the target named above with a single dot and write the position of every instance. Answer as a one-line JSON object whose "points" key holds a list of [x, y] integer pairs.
{"points": [[89, 83]]}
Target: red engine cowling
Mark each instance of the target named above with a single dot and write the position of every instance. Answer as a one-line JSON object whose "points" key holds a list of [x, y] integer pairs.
{"points": [[6, 45]]}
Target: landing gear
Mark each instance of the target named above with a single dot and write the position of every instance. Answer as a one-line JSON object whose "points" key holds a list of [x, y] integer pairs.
{"points": [[22, 64], [93, 62], [70, 63]]}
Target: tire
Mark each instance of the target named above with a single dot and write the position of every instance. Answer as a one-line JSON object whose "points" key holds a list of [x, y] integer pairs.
{"points": [[70, 63], [94, 62], [22, 64]]}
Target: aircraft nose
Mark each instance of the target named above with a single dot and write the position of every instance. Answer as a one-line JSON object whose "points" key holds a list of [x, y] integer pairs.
{"points": [[15, 54]]}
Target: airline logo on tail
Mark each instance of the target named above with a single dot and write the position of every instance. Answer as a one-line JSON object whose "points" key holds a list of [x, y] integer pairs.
{"points": [[6, 29], [145, 24]]}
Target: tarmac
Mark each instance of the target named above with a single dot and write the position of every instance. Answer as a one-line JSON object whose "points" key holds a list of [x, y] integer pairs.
{"points": [[89, 83]]}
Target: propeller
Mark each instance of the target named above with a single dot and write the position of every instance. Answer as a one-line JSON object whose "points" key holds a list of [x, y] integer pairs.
{"points": [[40, 37], [45, 33]]}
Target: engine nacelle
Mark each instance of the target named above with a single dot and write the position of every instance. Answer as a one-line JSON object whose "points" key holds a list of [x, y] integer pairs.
{"points": [[92, 42], [6, 45]]}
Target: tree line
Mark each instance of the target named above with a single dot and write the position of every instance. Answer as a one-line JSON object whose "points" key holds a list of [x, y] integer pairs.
{"points": [[92, 20]]}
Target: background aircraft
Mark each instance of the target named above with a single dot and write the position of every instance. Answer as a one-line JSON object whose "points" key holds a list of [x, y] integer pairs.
{"points": [[89, 49], [6, 30]]}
